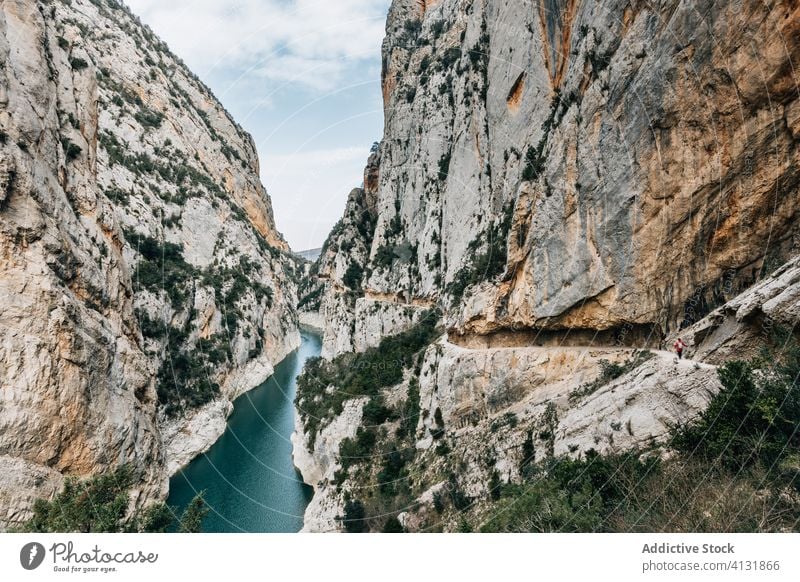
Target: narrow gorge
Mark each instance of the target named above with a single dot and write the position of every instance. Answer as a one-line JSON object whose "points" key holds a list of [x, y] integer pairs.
{"points": [[563, 188]]}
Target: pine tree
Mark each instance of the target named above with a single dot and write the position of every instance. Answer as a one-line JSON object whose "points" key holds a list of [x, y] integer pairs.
{"points": [[192, 519], [528, 453]]}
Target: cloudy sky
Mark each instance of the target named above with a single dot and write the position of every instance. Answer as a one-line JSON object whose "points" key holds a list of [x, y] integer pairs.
{"points": [[302, 76]]}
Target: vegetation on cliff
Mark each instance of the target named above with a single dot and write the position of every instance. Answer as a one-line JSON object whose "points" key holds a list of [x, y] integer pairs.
{"points": [[186, 377], [101, 504], [487, 255], [324, 386], [736, 468]]}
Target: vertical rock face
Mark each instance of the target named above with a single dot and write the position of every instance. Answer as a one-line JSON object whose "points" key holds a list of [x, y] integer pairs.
{"points": [[142, 280], [603, 165]]}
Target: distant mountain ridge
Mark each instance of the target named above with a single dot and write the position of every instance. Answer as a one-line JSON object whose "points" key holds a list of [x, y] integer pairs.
{"points": [[310, 254]]}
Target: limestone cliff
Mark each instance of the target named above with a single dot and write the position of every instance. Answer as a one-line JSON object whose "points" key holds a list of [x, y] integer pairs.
{"points": [[566, 181], [474, 409], [618, 166], [143, 283]]}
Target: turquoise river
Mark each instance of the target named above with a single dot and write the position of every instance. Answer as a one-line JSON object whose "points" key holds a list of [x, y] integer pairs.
{"points": [[248, 477]]}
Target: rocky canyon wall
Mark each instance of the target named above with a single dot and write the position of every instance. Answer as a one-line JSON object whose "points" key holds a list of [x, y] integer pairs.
{"points": [[143, 284], [574, 165], [564, 181]]}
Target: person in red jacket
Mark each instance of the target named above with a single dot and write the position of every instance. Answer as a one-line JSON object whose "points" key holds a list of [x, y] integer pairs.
{"points": [[679, 346]]}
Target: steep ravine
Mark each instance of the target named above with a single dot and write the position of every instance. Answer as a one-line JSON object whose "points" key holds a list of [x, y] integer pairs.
{"points": [[143, 284]]}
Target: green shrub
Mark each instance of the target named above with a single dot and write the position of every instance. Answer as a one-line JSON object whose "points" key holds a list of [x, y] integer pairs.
{"points": [[412, 27], [508, 419], [754, 418], [622, 493], [354, 519], [392, 476], [376, 412], [567, 495], [535, 156], [599, 60], [486, 264], [410, 412], [185, 377], [353, 275], [358, 450], [196, 512], [187, 178], [395, 226], [610, 371], [384, 257], [460, 500], [78, 64], [495, 486], [528, 453], [231, 285], [438, 431], [99, 504], [312, 300], [393, 525], [151, 328], [442, 449], [365, 225], [444, 166], [736, 467], [773, 260], [149, 118], [118, 196], [543, 507], [464, 526], [72, 151], [230, 153], [161, 267], [534, 162], [476, 54], [450, 57]]}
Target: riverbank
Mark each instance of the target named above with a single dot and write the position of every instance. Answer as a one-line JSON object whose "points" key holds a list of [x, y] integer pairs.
{"points": [[188, 437]]}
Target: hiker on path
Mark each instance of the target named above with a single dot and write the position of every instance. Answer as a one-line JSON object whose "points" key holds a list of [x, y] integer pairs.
{"points": [[679, 346]]}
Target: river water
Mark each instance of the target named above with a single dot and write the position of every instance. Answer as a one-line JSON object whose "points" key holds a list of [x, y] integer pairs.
{"points": [[248, 477]]}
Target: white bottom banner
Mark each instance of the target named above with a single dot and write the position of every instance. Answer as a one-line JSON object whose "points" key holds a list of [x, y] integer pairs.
{"points": [[417, 558]]}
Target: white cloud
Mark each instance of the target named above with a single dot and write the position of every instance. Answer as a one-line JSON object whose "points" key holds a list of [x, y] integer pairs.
{"points": [[309, 42], [309, 161], [319, 74], [309, 190]]}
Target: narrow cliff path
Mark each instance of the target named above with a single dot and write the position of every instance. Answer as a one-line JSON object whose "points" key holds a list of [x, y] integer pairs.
{"points": [[595, 351]]}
